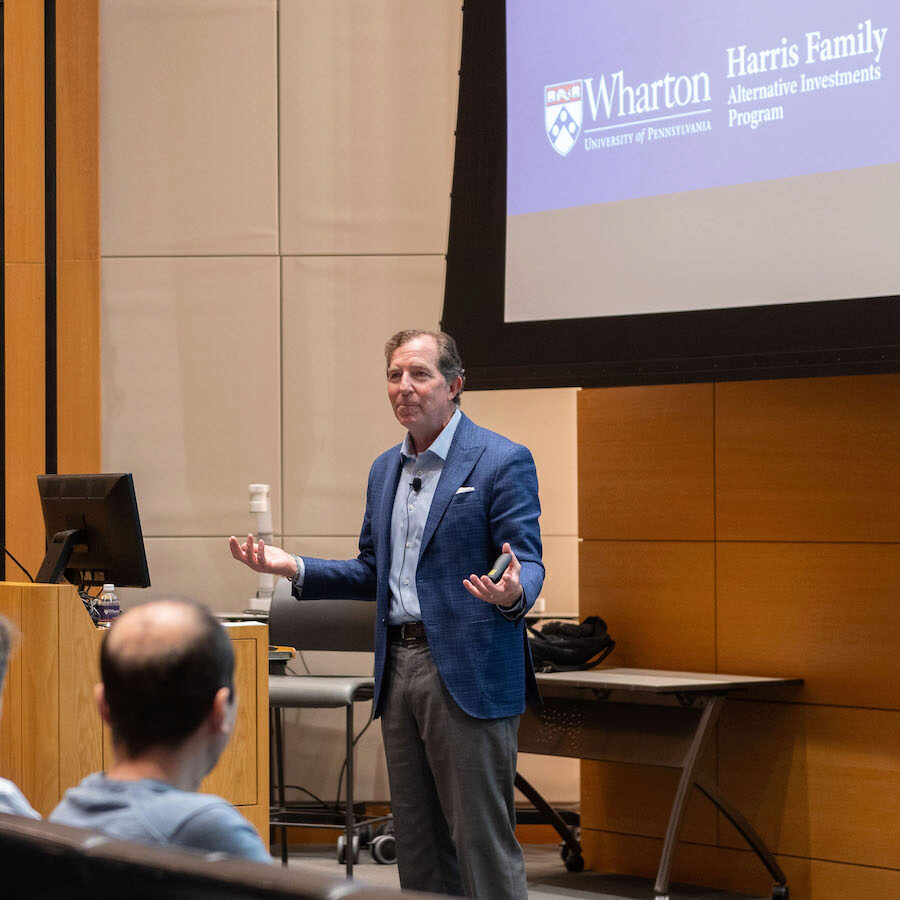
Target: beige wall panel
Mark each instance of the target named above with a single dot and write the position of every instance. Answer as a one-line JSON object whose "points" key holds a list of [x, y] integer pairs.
{"points": [[823, 612], [191, 389], [545, 422], [78, 130], [645, 462], [809, 459], [738, 870], [23, 130], [555, 778], [196, 567], [23, 380], [188, 127], [560, 591], [368, 110], [816, 781], [337, 314], [77, 380], [635, 799], [657, 599]]}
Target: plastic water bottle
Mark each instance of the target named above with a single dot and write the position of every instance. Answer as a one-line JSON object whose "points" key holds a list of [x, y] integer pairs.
{"points": [[107, 605]]}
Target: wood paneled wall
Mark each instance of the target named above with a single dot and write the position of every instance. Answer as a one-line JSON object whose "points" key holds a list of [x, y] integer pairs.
{"points": [[74, 204], [754, 528], [24, 276], [78, 234]]}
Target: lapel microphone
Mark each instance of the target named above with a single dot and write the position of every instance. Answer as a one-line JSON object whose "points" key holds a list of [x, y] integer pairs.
{"points": [[417, 484]]}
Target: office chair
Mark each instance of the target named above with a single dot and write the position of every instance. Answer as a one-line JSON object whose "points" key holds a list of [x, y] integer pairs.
{"points": [[339, 626]]}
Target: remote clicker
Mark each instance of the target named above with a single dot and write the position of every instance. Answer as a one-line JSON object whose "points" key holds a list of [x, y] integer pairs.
{"points": [[499, 567]]}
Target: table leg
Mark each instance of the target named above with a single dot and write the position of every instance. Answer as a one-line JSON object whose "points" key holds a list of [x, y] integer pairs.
{"points": [[743, 826], [688, 776]]}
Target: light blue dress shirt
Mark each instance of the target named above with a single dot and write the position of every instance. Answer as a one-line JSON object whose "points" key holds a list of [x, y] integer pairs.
{"points": [[409, 516]]}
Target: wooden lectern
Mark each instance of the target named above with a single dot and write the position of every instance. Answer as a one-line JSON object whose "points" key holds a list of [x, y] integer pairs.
{"points": [[51, 734]]}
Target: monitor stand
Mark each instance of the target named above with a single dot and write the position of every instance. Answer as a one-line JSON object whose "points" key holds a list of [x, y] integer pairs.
{"points": [[58, 553]]}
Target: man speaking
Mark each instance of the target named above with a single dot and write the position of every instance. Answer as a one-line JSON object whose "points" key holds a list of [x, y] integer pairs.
{"points": [[452, 665]]}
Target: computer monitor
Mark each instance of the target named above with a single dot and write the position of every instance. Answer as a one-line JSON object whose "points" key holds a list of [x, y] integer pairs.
{"points": [[93, 531]]}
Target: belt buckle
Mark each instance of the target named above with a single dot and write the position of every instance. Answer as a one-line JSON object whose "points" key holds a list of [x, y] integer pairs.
{"points": [[411, 632]]}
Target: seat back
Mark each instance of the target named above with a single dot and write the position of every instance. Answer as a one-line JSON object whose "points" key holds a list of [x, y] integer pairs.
{"points": [[347, 625], [61, 862]]}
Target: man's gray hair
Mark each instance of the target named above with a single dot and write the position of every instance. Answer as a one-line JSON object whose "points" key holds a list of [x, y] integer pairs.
{"points": [[448, 359]]}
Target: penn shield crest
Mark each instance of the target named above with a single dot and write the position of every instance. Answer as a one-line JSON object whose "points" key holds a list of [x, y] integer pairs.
{"points": [[563, 114]]}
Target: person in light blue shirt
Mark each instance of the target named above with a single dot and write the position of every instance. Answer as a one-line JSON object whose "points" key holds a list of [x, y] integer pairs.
{"points": [[151, 811], [12, 800], [167, 694]]}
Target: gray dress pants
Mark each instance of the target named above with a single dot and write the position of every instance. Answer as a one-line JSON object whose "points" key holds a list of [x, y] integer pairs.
{"points": [[451, 778]]}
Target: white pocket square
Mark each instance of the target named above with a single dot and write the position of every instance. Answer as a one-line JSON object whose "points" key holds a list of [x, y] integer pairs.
{"points": [[465, 490]]}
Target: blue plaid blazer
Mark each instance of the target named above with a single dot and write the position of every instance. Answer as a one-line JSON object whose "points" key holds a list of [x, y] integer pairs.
{"points": [[482, 657]]}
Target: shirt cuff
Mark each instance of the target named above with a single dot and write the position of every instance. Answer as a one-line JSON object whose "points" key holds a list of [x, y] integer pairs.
{"points": [[516, 611], [297, 580]]}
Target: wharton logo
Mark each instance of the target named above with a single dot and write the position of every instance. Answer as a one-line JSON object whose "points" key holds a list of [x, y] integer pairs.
{"points": [[563, 114]]}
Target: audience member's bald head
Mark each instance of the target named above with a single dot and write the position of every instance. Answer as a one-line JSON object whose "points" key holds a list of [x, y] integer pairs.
{"points": [[162, 664]]}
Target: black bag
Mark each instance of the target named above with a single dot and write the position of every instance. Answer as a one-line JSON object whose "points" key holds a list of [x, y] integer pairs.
{"points": [[570, 646]]}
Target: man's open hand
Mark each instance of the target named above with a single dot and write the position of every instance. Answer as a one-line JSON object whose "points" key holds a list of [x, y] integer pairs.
{"points": [[261, 558], [505, 592]]}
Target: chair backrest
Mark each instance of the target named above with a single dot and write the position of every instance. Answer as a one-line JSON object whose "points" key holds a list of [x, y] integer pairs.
{"points": [[50, 860], [321, 624]]}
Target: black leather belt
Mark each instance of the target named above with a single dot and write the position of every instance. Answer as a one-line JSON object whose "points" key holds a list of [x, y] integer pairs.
{"points": [[407, 633]]}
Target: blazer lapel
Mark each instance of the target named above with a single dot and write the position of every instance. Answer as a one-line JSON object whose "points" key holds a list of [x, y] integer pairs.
{"points": [[459, 463], [382, 525]]}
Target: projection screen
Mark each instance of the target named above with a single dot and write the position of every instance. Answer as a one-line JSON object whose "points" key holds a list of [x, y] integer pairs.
{"points": [[650, 191]]}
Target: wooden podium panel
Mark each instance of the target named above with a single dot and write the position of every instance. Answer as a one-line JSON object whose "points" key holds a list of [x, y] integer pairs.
{"points": [[51, 734]]}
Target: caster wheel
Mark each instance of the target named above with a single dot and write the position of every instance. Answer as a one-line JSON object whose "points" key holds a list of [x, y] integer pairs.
{"points": [[385, 828], [342, 849], [780, 892], [384, 849], [575, 862]]}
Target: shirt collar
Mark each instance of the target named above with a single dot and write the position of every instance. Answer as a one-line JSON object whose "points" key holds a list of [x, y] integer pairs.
{"points": [[440, 446]]}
